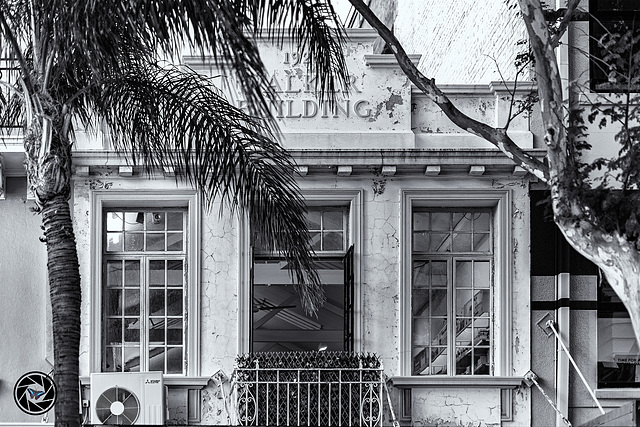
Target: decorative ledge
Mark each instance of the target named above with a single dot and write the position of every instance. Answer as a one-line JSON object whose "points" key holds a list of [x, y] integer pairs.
{"points": [[432, 170], [467, 381], [618, 393], [476, 170], [387, 60], [344, 170], [169, 381], [388, 170]]}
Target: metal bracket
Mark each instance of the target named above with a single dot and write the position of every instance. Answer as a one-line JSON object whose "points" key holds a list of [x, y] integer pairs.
{"points": [[219, 377], [545, 323]]}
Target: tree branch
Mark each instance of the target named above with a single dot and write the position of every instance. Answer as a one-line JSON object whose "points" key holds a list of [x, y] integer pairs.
{"points": [[496, 136], [572, 6]]}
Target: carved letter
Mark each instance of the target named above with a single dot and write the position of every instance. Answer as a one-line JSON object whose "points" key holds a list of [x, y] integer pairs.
{"points": [[310, 108], [360, 111]]}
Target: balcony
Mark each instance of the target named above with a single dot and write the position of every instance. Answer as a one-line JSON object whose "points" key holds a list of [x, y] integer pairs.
{"points": [[309, 388]]}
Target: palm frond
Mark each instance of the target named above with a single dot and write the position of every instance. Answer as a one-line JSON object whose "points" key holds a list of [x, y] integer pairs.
{"points": [[314, 29], [166, 116], [92, 33]]}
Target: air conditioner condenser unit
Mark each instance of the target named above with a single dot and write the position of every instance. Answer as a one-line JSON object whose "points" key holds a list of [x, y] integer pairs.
{"points": [[127, 398]]}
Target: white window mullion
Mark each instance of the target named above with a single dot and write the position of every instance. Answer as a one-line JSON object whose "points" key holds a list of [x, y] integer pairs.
{"points": [[144, 317], [451, 323]]}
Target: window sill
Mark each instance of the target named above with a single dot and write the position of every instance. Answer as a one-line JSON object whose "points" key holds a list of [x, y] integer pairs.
{"points": [[171, 381], [475, 381], [618, 393]]}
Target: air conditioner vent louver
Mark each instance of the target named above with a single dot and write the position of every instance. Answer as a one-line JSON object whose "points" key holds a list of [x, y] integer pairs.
{"points": [[117, 406]]}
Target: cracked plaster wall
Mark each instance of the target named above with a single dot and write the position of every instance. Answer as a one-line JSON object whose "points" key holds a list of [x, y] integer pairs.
{"points": [[448, 407], [380, 290], [218, 289]]}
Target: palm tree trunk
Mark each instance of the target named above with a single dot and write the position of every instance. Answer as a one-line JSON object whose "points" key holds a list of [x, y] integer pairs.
{"points": [[64, 288]]}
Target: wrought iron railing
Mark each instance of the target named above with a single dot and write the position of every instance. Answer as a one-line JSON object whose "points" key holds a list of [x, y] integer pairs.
{"points": [[309, 388]]}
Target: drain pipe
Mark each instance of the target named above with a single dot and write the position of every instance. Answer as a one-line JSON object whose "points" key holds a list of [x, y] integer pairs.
{"points": [[562, 359]]}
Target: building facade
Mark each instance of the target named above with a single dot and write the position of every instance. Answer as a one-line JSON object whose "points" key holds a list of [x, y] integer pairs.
{"points": [[431, 244]]}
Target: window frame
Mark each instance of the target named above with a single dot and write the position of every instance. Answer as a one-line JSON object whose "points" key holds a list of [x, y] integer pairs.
{"points": [[598, 19], [352, 199], [500, 203], [190, 201], [611, 310]]}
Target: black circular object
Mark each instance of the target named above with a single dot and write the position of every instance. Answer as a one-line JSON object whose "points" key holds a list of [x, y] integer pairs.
{"points": [[117, 405], [35, 393]]}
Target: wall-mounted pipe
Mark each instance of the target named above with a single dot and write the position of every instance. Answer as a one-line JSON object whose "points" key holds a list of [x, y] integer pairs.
{"points": [[562, 360]]}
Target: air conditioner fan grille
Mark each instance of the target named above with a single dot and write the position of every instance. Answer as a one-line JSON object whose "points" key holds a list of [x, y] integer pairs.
{"points": [[117, 405]]}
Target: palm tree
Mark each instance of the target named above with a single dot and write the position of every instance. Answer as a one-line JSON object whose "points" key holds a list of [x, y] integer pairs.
{"points": [[96, 63]]}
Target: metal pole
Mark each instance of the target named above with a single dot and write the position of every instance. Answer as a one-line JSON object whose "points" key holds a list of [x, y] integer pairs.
{"points": [[595, 399]]}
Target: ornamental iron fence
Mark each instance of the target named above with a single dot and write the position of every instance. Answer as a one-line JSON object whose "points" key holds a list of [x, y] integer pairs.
{"points": [[309, 388]]}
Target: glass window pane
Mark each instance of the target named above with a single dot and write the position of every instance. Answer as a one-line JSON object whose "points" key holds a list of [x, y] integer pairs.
{"points": [[175, 221], [439, 335], [462, 221], [438, 361], [463, 361], [481, 221], [481, 331], [133, 241], [155, 241], [113, 331], [439, 302], [315, 241], [420, 242], [112, 359], [113, 302], [481, 242], [156, 302], [114, 242], [114, 221], [440, 221], [333, 220], [114, 273], [420, 332], [132, 274], [481, 274], [155, 221], [482, 302], [420, 302], [421, 221], [175, 273], [174, 333], [464, 303], [313, 219], [174, 360], [132, 330], [156, 332], [156, 273], [174, 241], [463, 274], [480, 362], [333, 241], [439, 274], [440, 242], [134, 221], [131, 302], [421, 274], [174, 302], [421, 360], [461, 242], [132, 359], [156, 359]]}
